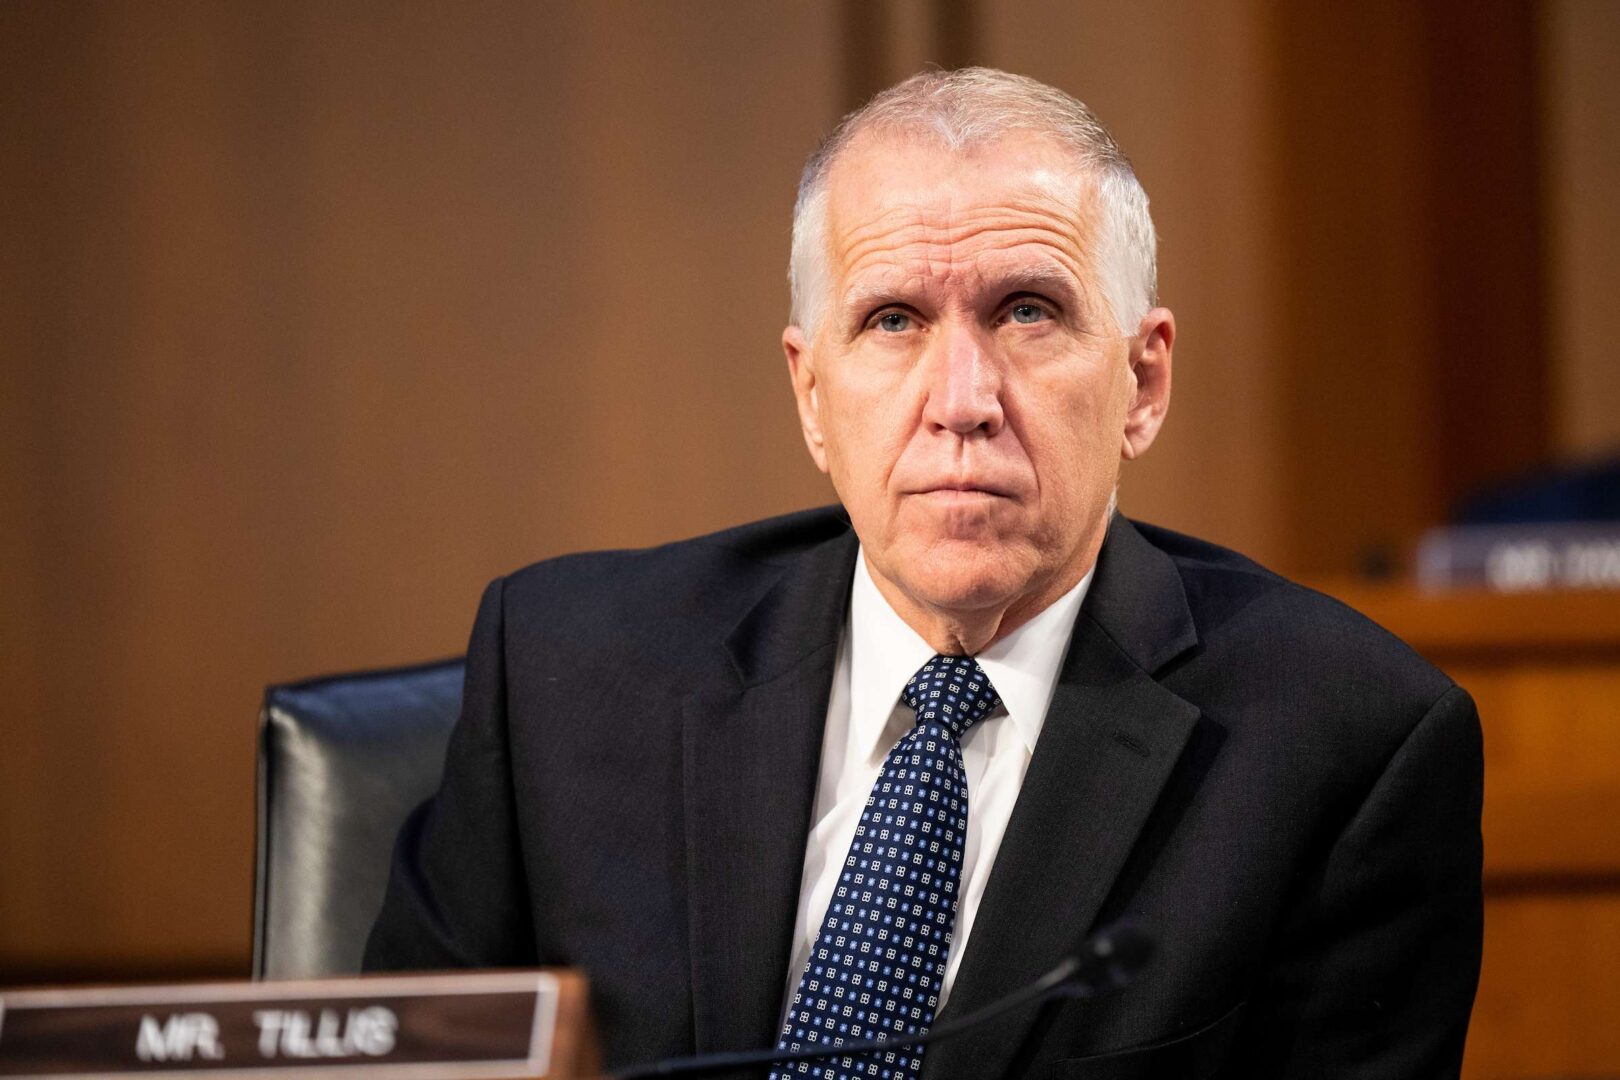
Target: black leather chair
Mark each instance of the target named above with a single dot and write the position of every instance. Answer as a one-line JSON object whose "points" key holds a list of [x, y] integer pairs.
{"points": [[342, 761]]}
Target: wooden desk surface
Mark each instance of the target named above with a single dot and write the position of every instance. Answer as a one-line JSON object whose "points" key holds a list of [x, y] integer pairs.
{"points": [[1448, 625]]}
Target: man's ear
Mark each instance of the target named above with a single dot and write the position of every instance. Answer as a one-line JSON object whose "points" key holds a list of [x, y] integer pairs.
{"points": [[801, 362], [1150, 369]]}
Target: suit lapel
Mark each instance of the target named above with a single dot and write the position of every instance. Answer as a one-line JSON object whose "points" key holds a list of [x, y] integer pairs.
{"points": [[751, 757], [1110, 741]]}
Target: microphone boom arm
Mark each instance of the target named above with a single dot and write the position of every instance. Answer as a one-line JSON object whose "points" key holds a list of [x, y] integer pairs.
{"points": [[1108, 961]]}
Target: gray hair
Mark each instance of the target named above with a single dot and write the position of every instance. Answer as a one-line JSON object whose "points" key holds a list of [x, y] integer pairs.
{"points": [[971, 107]]}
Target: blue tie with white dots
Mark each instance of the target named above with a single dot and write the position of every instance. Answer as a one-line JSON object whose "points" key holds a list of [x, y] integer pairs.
{"points": [[878, 966]]}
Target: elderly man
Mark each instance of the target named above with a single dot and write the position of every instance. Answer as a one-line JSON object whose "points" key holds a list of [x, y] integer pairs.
{"points": [[859, 771]]}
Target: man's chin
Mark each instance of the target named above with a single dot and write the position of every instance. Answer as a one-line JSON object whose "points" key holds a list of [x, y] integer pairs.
{"points": [[963, 516], [965, 575]]}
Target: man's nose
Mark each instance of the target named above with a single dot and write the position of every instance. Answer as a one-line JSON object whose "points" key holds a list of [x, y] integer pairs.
{"points": [[964, 383]]}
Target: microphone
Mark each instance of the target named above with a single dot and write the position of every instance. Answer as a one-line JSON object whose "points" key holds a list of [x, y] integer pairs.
{"points": [[1107, 961]]}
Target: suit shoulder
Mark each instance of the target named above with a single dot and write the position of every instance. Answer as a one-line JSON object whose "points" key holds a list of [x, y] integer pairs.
{"points": [[768, 543], [1238, 604], [705, 578]]}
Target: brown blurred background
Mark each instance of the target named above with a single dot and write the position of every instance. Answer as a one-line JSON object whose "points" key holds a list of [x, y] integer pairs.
{"points": [[316, 316]]}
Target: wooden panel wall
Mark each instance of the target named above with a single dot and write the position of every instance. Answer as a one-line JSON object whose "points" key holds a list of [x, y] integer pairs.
{"points": [[1580, 101], [317, 317]]}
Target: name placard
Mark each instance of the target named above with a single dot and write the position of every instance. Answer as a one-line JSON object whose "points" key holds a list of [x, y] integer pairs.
{"points": [[479, 1026]]}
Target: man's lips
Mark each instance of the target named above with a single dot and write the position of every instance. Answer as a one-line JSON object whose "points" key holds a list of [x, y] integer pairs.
{"points": [[962, 490]]}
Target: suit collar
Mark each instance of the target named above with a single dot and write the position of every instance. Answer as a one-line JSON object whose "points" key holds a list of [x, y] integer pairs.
{"points": [[801, 614], [751, 753], [1138, 599]]}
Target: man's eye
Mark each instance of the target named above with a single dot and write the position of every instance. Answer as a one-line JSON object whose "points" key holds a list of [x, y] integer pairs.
{"points": [[1028, 313], [894, 322]]}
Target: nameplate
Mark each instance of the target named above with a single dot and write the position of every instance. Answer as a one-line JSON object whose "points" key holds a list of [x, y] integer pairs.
{"points": [[479, 1026]]}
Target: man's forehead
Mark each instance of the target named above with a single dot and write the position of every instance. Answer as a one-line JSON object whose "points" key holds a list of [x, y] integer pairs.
{"points": [[1019, 207], [1034, 266], [881, 171]]}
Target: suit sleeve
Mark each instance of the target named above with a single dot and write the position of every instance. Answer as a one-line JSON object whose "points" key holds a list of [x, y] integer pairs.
{"points": [[456, 894], [1374, 973]]}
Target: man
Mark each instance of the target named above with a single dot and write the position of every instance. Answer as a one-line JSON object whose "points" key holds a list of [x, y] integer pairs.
{"points": [[864, 770]]}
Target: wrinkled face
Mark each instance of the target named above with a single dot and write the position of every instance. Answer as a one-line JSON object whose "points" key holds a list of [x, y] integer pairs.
{"points": [[966, 388]]}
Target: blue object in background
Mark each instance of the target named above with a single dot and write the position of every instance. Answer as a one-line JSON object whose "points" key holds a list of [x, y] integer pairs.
{"points": [[1589, 492]]}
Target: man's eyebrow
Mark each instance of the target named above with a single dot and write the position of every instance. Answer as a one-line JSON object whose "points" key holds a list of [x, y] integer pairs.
{"points": [[1040, 279], [862, 298]]}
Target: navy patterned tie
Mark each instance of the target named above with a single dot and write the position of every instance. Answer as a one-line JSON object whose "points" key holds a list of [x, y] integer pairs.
{"points": [[878, 966]]}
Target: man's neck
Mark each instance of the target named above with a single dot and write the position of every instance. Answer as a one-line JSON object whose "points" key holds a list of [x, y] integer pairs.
{"points": [[954, 632]]}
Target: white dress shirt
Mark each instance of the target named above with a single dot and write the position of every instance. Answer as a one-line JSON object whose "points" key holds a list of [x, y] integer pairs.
{"points": [[865, 718]]}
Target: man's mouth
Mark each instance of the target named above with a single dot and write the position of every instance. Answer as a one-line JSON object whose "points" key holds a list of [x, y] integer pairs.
{"points": [[962, 491]]}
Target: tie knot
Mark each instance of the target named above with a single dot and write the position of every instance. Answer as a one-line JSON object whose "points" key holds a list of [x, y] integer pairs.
{"points": [[952, 691]]}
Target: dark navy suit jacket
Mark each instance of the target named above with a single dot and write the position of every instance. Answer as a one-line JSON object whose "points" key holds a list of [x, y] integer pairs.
{"points": [[1286, 795]]}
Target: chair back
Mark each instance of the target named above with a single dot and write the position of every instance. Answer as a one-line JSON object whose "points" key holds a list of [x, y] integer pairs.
{"points": [[342, 761]]}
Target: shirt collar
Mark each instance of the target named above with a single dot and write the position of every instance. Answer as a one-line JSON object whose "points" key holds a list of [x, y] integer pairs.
{"points": [[884, 652]]}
